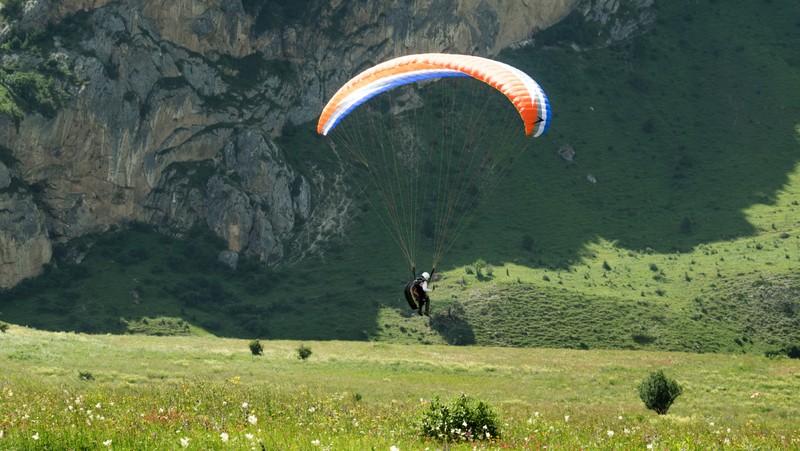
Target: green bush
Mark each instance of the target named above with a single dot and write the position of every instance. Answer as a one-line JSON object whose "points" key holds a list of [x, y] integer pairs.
{"points": [[85, 376], [462, 420], [3, 327], [479, 265], [256, 348], [659, 392], [303, 352]]}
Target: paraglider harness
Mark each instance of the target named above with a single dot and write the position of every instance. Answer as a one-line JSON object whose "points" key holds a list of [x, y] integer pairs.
{"points": [[415, 295]]}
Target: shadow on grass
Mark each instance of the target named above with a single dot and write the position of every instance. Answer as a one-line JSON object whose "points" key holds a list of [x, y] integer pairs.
{"points": [[676, 132], [453, 327]]}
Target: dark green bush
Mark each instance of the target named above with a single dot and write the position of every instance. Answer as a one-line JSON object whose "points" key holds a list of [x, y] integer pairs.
{"points": [[3, 327], [303, 352], [256, 348], [461, 420], [85, 376], [659, 392]]}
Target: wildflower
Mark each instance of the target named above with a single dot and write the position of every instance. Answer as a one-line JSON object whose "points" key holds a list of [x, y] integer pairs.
{"points": [[249, 436], [107, 442], [394, 448], [566, 418], [315, 442], [185, 442], [223, 436], [35, 436], [252, 419], [610, 433], [649, 446], [245, 405]]}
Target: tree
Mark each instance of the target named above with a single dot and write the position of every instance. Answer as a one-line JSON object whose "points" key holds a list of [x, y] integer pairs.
{"points": [[659, 392]]}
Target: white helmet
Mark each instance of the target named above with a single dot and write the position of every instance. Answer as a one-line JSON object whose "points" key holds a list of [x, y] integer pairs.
{"points": [[426, 276]]}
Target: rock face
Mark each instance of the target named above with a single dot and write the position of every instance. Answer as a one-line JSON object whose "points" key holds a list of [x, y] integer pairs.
{"points": [[174, 106]]}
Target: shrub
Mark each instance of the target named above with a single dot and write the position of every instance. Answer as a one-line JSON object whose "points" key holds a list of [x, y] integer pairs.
{"points": [[85, 376], [479, 265], [659, 392], [527, 243], [256, 348], [303, 352], [462, 420], [3, 327]]}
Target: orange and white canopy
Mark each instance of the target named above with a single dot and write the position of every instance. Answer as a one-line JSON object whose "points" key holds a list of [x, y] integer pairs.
{"points": [[526, 95]]}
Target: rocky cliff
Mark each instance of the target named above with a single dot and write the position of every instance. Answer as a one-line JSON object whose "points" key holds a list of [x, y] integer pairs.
{"points": [[170, 109]]}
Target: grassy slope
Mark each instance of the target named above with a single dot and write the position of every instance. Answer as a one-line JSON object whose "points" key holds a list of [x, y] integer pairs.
{"points": [[204, 381], [692, 132]]}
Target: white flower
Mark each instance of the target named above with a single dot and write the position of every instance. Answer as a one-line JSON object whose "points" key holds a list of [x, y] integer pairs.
{"points": [[2, 432], [315, 442], [394, 448], [252, 419], [107, 442], [185, 442], [312, 409], [649, 446], [249, 436], [245, 405], [97, 406], [35, 436], [464, 423], [566, 417], [610, 433], [224, 436]]}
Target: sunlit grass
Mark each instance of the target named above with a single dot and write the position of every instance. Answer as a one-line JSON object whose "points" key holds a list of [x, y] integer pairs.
{"points": [[210, 393]]}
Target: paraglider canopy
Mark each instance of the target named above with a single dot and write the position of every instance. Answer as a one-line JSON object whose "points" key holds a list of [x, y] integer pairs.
{"points": [[431, 135], [526, 95]]}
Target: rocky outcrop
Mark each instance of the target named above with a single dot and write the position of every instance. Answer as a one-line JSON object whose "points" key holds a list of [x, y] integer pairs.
{"points": [[24, 245], [175, 106]]}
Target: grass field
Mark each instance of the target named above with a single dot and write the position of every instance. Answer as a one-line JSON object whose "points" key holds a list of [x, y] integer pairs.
{"points": [[77, 391]]}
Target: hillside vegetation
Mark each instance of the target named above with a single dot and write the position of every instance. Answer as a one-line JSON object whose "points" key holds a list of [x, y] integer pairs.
{"points": [[675, 227], [76, 391]]}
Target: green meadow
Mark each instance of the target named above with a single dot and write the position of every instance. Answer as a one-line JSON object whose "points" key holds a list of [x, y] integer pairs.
{"points": [[77, 391]]}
